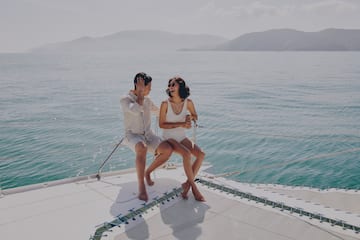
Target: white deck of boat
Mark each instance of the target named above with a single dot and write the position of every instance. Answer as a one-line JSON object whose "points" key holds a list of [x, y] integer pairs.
{"points": [[75, 209]]}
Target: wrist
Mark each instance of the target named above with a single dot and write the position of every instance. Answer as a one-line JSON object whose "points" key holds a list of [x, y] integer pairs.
{"points": [[140, 100]]}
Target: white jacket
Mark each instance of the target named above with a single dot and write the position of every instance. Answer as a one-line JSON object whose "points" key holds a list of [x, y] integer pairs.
{"points": [[137, 118]]}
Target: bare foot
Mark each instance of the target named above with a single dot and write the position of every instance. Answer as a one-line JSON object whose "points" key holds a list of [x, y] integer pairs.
{"points": [[197, 195], [186, 187], [143, 196], [148, 179]]}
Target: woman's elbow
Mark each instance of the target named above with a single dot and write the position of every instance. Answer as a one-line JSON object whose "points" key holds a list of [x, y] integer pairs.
{"points": [[162, 125]]}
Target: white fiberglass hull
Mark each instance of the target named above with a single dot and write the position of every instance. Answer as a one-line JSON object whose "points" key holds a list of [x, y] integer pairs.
{"points": [[85, 208]]}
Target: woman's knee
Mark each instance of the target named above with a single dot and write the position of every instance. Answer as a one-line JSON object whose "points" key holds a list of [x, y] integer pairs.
{"points": [[200, 155], [165, 148]]}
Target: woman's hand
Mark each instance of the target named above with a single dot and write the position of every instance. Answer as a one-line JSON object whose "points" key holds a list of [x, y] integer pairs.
{"points": [[188, 121]]}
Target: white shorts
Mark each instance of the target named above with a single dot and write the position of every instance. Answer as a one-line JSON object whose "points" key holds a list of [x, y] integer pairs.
{"points": [[177, 134], [150, 140]]}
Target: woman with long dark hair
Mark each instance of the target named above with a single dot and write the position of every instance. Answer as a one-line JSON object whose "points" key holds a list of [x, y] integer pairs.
{"points": [[176, 114]]}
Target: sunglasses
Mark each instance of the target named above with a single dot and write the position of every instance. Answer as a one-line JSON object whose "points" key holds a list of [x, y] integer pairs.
{"points": [[171, 85]]}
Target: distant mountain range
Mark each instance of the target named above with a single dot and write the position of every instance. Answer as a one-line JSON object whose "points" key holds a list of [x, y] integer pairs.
{"points": [[271, 40], [293, 40], [137, 41]]}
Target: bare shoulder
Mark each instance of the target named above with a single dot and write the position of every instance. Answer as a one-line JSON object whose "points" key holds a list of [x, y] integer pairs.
{"points": [[164, 104], [190, 101]]}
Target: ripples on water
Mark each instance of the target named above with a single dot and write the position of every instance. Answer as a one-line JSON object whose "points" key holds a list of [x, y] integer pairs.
{"points": [[290, 118]]}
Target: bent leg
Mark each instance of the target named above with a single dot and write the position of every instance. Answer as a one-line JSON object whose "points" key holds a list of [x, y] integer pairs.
{"points": [[197, 152], [186, 154], [199, 155], [163, 153]]}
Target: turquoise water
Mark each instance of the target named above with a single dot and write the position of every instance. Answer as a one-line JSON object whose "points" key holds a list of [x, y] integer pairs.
{"points": [[275, 117]]}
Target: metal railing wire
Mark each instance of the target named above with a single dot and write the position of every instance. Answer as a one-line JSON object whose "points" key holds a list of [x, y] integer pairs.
{"points": [[98, 175]]}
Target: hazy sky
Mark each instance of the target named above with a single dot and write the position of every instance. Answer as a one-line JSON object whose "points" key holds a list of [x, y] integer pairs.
{"points": [[28, 23]]}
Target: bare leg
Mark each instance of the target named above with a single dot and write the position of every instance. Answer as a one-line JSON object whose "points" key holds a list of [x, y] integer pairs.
{"points": [[186, 154], [164, 152], [199, 154], [141, 150]]}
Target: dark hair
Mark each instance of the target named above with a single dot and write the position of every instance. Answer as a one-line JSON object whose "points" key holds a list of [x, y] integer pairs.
{"points": [[147, 78], [184, 90]]}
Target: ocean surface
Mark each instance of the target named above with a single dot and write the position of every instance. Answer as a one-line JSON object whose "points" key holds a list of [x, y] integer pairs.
{"points": [[290, 118]]}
